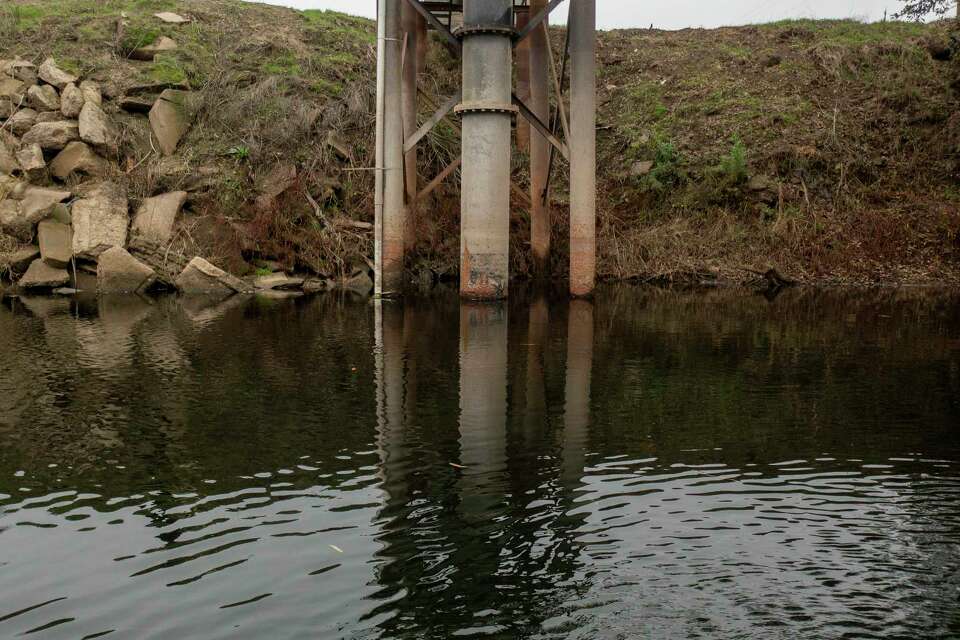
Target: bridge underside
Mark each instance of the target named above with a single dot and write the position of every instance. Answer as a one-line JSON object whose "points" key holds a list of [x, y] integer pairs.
{"points": [[487, 36]]}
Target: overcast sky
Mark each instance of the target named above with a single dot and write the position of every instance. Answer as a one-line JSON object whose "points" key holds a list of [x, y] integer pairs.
{"points": [[676, 14]]}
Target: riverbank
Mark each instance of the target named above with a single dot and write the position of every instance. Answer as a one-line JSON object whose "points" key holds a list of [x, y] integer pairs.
{"points": [[829, 151]]}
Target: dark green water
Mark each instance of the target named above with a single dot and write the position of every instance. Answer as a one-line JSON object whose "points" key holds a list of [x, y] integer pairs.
{"points": [[655, 464]]}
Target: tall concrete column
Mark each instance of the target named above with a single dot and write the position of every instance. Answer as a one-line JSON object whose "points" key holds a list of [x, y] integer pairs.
{"points": [[411, 26], [388, 198], [487, 118], [539, 146], [389, 372], [523, 83], [583, 146]]}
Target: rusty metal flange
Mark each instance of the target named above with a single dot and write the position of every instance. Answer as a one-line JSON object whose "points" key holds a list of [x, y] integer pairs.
{"points": [[485, 30], [485, 107]]}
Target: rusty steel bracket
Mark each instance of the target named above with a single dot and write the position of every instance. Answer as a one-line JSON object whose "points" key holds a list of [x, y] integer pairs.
{"points": [[436, 24], [536, 20], [541, 128]]}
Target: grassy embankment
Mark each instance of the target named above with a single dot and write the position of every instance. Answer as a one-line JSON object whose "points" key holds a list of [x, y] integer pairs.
{"points": [[829, 150]]}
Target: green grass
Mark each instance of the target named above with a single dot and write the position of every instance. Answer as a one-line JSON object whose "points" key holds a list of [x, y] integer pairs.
{"points": [[166, 68], [852, 32]]}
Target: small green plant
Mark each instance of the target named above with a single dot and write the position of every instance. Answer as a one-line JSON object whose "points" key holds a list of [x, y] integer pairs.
{"points": [[240, 152], [262, 271], [666, 171], [137, 36], [732, 169]]}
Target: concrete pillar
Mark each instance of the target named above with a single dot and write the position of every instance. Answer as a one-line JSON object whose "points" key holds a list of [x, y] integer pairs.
{"points": [[535, 405], [539, 146], [411, 26], [577, 396], [388, 198], [487, 122], [483, 407], [583, 147], [523, 83]]}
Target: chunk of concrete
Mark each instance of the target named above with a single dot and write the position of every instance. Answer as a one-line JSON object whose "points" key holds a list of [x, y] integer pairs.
{"points": [[50, 73], [8, 159], [170, 118], [49, 116], [30, 158], [120, 272], [23, 70], [156, 216], [7, 108], [43, 97], [52, 135], [56, 242], [171, 18], [199, 276], [277, 281], [12, 221], [91, 92], [71, 101], [22, 121], [150, 51], [38, 202], [78, 157], [40, 275], [100, 220], [97, 129], [12, 89], [19, 260]]}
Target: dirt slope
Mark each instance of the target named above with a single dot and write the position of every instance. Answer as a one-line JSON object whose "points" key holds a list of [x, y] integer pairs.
{"points": [[829, 150]]}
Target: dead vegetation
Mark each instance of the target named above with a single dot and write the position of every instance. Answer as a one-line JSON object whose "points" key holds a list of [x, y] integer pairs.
{"points": [[829, 150]]}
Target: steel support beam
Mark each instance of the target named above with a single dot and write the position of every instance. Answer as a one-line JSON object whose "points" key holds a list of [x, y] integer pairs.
{"points": [[583, 147], [487, 122], [523, 83], [436, 24], [539, 113], [389, 194], [538, 18], [410, 20], [431, 122]]}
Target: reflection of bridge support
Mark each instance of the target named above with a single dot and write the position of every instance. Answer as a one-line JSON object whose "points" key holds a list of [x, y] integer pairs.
{"points": [[483, 404], [579, 379], [486, 105], [389, 362]]}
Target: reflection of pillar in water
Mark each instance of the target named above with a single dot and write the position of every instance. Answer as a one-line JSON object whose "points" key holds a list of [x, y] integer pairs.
{"points": [[483, 404], [577, 407], [536, 393], [389, 361], [410, 356]]}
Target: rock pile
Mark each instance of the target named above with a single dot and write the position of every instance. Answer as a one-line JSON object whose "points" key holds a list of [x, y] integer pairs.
{"points": [[62, 195]]}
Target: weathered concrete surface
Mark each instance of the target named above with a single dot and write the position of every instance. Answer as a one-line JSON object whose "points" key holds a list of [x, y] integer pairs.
{"points": [[78, 157], [20, 259], [30, 158], [100, 220], [40, 275], [22, 121], [170, 118], [52, 135], [71, 101], [91, 92], [8, 159], [156, 216], [277, 281], [56, 242], [200, 276], [97, 129], [149, 52], [43, 97], [50, 73], [120, 272]]}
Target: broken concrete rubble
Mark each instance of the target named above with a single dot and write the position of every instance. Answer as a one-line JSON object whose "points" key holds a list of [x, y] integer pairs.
{"points": [[100, 220], [120, 272], [201, 277]]}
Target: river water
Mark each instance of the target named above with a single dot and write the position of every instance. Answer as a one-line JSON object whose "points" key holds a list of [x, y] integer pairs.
{"points": [[664, 464]]}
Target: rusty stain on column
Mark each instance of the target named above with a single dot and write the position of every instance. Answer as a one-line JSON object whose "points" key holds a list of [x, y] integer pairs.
{"points": [[583, 147], [411, 20], [389, 224], [539, 146], [487, 112], [523, 83]]}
